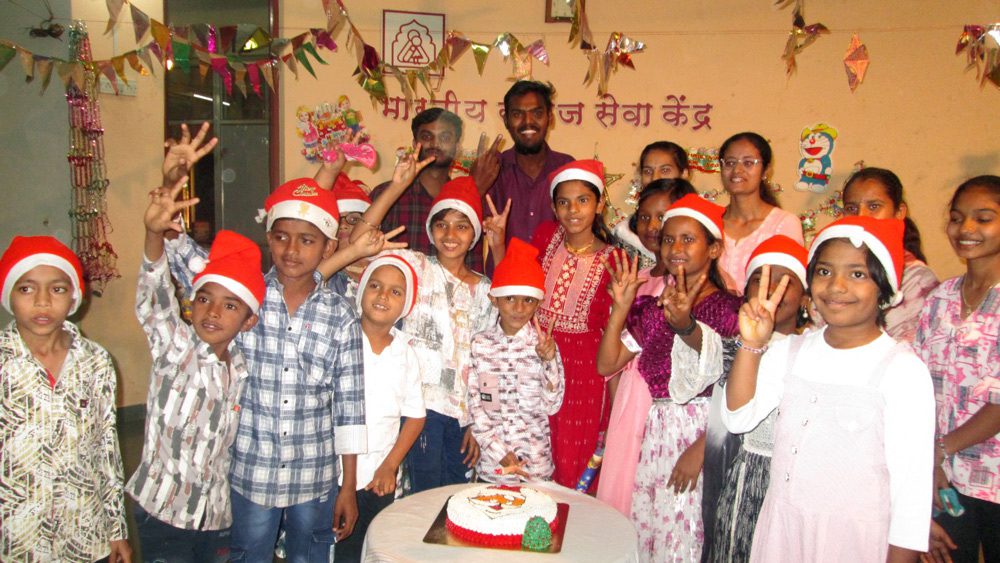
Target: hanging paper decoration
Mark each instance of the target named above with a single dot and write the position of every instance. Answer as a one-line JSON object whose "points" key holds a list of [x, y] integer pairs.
{"points": [[703, 159], [816, 147], [88, 173], [982, 48], [600, 66], [832, 206], [856, 62], [800, 36], [326, 127]]}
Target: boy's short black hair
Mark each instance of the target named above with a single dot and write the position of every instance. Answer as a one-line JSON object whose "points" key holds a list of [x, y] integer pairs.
{"points": [[434, 114], [875, 270], [522, 87]]}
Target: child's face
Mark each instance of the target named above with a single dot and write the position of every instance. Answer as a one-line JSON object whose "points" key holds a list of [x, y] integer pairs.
{"points": [[218, 315], [297, 247], [384, 296], [974, 225], [515, 311], [649, 220], [842, 287], [41, 300], [794, 299], [738, 179], [576, 206], [346, 225], [869, 198], [658, 165], [685, 243], [452, 234]]}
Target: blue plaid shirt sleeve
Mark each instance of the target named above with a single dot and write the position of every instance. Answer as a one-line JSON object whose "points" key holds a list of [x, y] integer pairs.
{"points": [[348, 404], [179, 252]]}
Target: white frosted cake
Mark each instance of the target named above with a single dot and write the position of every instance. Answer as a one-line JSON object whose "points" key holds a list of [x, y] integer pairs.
{"points": [[497, 514]]}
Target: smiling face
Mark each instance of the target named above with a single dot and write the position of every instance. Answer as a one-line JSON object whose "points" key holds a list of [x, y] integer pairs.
{"points": [[515, 311], [384, 297], [685, 244], [974, 225], [41, 300], [440, 140], [739, 179], [218, 315], [869, 198], [527, 120], [816, 145], [649, 220], [452, 234], [297, 247], [792, 301], [576, 206], [657, 165], [843, 289]]}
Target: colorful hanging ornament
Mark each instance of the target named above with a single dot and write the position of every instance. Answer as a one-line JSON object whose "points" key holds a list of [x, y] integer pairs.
{"points": [[982, 47], [856, 62], [800, 36], [328, 127]]}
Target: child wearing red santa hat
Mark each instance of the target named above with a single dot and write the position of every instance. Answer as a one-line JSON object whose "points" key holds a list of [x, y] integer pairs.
{"points": [[516, 381], [853, 446], [60, 467]]}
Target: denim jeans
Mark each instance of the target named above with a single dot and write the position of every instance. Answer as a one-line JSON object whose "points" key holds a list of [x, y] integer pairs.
{"points": [[369, 505], [436, 458], [161, 542], [308, 530]]}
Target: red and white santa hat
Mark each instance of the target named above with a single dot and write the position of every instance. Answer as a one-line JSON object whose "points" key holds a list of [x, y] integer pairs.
{"points": [[302, 199], [26, 253], [352, 197], [409, 274], [234, 263], [461, 195], [591, 171], [779, 250], [519, 273], [883, 237], [701, 210]]}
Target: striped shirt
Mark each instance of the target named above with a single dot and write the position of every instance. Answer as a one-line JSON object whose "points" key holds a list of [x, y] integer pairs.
{"points": [[61, 479], [304, 401], [192, 413]]}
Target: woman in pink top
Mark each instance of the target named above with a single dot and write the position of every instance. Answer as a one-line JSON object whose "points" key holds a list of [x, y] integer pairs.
{"points": [[753, 214]]}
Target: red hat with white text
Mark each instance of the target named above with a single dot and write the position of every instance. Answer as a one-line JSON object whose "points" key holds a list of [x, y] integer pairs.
{"points": [[409, 274], [779, 250], [883, 237], [234, 263], [302, 199], [461, 195], [519, 273], [701, 210], [26, 253], [591, 171], [352, 197]]}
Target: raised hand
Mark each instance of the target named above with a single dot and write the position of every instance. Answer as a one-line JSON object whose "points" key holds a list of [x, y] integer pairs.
{"points": [[162, 214], [373, 241], [678, 300], [486, 168], [546, 347], [625, 280], [495, 226], [757, 315], [408, 167], [182, 154]]}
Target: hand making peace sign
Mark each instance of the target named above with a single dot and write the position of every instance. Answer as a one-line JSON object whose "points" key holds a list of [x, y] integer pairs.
{"points": [[678, 300], [407, 167], [546, 348], [757, 315], [495, 226]]}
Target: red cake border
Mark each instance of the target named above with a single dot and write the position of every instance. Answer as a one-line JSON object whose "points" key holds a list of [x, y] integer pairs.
{"points": [[480, 538]]}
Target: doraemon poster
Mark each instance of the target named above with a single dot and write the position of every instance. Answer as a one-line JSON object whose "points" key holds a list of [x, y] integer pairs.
{"points": [[816, 147]]}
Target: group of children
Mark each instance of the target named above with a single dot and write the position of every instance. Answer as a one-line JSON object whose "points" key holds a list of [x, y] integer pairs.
{"points": [[766, 410]]}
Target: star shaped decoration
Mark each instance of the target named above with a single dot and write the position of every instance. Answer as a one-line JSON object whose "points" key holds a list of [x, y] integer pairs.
{"points": [[856, 62]]}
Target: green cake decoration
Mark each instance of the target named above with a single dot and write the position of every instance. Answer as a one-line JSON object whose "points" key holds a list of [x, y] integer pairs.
{"points": [[537, 535]]}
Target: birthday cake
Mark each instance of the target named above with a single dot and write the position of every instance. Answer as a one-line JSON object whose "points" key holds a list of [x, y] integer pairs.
{"points": [[496, 515]]}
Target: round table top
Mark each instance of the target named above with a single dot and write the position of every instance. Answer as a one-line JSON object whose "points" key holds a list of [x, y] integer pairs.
{"points": [[594, 532]]}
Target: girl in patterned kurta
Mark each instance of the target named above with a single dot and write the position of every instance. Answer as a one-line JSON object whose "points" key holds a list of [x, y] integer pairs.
{"points": [[957, 338], [666, 502], [571, 253]]}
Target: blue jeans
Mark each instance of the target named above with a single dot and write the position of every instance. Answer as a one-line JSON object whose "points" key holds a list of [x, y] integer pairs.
{"points": [[369, 505], [436, 459], [161, 542], [308, 530]]}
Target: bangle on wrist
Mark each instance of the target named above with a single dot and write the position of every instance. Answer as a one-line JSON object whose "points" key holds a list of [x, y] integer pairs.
{"points": [[688, 329], [365, 221], [751, 349]]}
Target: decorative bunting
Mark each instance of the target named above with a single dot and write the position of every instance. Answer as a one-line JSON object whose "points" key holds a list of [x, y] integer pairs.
{"points": [[267, 71], [114, 10], [28, 63], [480, 51], [6, 54], [537, 50], [253, 73], [44, 66], [221, 67], [118, 63], [140, 22], [457, 46]]}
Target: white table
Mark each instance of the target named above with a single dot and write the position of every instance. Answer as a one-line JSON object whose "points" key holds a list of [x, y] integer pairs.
{"points": [[594, 532]]}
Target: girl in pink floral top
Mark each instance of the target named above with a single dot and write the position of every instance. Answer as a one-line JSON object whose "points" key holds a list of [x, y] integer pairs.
{"points": [[957, 337]]}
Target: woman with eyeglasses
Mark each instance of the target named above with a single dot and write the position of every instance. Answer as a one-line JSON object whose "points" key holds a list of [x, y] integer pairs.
{"points": [[753, 214]]}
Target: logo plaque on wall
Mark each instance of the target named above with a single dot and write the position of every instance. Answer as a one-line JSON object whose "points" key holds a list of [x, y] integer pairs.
{"points": [[412, 40]]}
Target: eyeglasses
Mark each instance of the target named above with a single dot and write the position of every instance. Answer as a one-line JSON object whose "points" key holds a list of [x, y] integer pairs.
{"points": [[730, 163], [351, 219]]}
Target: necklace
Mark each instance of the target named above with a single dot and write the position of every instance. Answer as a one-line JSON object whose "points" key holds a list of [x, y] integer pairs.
{"points": [[581, 250], [967, 307]]}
